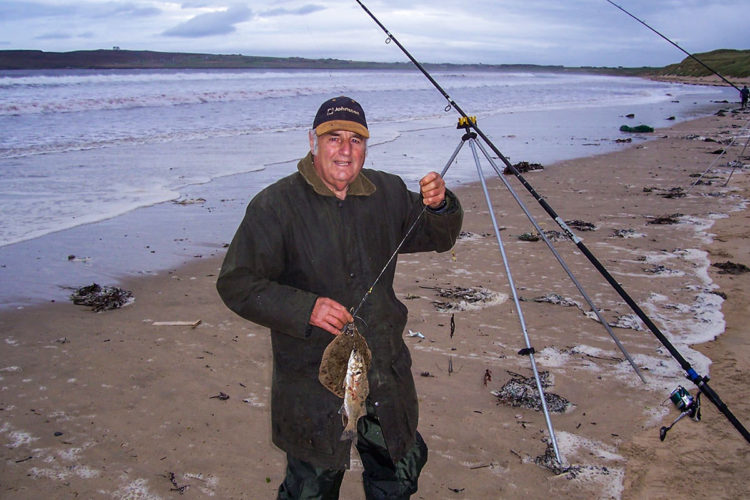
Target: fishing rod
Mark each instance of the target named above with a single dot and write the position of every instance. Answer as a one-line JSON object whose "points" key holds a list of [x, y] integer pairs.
{"points": [[700, 381], [670, 41]]}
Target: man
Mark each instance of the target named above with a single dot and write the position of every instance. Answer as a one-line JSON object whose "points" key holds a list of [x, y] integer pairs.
{"points": [[308, 249], [744, 93]]}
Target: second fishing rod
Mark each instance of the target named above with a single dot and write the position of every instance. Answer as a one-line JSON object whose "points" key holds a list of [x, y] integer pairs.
{"points": [[700, 381]]}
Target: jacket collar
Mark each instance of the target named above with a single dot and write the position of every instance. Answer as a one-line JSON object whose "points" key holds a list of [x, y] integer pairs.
{"points": [[362, 186]]}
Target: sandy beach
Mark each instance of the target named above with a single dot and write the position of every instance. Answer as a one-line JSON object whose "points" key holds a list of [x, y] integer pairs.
{"points": [[701, 80], [117, 404]]}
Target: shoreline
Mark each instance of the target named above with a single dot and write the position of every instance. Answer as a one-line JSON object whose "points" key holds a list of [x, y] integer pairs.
{"points": [[712, 80], [134, 401], [150, 239]]}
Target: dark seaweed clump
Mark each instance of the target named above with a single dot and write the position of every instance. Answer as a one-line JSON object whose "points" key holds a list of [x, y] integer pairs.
{"points": [[101, 298]]}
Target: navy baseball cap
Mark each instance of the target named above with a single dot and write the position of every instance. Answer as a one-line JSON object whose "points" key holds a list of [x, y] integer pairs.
{"points": [[341, 113]]}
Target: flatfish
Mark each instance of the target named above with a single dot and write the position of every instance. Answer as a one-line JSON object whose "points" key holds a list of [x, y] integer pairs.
{"points": [[335, 359], [343, 371]]}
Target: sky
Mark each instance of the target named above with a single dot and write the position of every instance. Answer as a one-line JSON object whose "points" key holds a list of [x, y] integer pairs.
{"points": [[547, 32]]}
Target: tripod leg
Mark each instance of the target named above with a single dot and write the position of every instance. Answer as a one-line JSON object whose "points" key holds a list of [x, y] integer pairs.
{"points": [[528, 349], [453, 157]]}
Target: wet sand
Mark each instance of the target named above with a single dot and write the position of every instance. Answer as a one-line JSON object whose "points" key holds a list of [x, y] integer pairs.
{"points": [[112, 405]]}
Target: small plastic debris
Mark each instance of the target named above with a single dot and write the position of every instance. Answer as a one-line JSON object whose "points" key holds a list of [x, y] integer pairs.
{"points": [[415, 334]]}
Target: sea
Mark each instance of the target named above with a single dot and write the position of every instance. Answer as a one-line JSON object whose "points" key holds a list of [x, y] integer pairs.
{"points": [[106, 175]]}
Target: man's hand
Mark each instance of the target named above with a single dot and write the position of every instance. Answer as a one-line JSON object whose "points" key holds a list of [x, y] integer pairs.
{"points": [[330, 315], [432, 187]]}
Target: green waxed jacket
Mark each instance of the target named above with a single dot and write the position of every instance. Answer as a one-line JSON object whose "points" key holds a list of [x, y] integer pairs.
{"points": [[298, 242]]}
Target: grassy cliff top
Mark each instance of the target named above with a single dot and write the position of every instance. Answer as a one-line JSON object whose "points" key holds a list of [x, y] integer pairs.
{"points": [[144, 59], [730, 63]]}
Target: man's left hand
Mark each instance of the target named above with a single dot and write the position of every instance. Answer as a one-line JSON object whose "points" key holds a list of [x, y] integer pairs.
{"points": [[432, 187]]}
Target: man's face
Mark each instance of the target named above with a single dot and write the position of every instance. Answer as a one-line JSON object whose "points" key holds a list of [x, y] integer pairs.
{"points": [[339, 158]]}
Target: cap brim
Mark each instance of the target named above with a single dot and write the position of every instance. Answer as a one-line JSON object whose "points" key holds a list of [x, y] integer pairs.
{"points": [[350, 126]]}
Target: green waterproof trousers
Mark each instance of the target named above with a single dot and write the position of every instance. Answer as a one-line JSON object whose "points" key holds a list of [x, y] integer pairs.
{"points": [[382, 479]]}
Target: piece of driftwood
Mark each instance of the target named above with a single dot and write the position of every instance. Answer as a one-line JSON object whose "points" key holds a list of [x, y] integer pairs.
{"points": [[191, 324]]}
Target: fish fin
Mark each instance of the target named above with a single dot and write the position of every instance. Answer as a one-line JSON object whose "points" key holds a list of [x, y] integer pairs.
{"points": [[349, 434]]}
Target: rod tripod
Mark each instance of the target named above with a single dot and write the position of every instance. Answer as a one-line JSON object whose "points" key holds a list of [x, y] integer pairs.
{"points": [[470, 137]]}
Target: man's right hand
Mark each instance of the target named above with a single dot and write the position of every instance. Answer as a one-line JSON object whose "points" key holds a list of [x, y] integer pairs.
{"points": [[330, 315]]}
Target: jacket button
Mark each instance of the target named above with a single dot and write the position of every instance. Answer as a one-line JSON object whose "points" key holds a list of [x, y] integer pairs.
{"points": [[351, 275], [377, 403]]}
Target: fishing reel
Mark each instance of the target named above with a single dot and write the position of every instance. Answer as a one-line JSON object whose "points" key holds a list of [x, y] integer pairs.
{"points": [[687, 404]]}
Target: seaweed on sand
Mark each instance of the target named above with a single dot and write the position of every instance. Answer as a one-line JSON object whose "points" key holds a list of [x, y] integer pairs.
{"points": [[521, 391], [101, 298]]}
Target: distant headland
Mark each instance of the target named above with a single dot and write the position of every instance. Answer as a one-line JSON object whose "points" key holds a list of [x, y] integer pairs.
{"points": [[728, 62]]}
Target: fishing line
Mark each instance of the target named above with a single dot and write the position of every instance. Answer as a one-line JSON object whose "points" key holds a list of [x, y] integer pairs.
{"points": [[670, 41], [700, 381], [401, 243]]}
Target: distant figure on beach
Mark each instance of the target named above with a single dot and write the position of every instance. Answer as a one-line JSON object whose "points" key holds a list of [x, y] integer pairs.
{"points": [[744, 93], [309, 248]]}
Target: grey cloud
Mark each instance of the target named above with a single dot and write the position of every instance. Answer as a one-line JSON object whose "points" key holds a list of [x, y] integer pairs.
{"points": [[54, 36], [123, 9], [194, 4], [16, 11], [213, 23], [301, 11], [64, 36]]}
